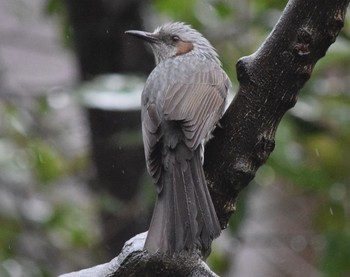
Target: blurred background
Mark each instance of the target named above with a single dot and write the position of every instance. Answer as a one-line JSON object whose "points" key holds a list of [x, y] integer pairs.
{"points": [[73, 187]]}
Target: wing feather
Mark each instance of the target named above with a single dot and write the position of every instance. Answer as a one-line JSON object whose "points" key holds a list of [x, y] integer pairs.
{"points": [[199, 104], [195, 98]]}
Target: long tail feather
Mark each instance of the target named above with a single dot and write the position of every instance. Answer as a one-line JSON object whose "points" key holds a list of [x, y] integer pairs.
{"points": [[184, 217]]}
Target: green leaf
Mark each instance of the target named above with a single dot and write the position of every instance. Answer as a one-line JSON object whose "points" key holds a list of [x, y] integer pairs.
{"points": [[48, 163], [8, 234], [223, 9], [53, 6], [335, 261], [182, 10]]}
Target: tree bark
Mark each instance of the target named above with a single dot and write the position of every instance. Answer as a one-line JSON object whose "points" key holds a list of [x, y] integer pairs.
{"points": [[270, 80]]}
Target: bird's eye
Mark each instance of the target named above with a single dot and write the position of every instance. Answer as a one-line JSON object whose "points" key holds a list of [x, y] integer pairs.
{"points": [[175, 38]]}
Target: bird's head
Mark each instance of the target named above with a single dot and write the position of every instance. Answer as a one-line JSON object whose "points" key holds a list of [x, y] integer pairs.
{"points": [[175, 39]]}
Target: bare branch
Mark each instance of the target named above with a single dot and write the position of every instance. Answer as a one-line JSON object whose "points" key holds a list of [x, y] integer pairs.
{"points": [[270, 80]]}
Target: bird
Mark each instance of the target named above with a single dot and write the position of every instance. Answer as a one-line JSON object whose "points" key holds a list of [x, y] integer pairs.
{"points": [[182, 101]]}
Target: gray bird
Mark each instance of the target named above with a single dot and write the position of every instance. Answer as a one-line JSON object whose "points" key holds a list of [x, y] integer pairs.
{"points": [[183, 99]]}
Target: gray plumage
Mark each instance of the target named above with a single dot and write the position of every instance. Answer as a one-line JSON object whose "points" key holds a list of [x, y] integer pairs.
{"points": [[183, 99]]}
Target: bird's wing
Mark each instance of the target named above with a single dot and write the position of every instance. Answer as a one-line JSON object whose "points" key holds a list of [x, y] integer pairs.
{"points": [[198, 103], [152, 135]]}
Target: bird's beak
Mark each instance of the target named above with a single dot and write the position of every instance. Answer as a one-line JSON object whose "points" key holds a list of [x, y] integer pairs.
{"points": [[149, 37]]}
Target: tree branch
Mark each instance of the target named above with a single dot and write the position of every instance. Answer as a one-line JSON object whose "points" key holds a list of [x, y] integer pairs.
{"points": [[133, 261], [270, 80]]}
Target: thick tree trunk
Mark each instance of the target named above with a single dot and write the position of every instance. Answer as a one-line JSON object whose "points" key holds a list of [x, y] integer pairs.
{"points": [[270, 80]]}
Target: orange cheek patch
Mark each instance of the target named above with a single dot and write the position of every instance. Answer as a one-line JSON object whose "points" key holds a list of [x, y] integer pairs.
{"points": [[183, 48]]}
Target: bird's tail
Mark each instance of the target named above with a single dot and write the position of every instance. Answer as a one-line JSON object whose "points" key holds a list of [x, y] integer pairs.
{"points": [[184, 218]]}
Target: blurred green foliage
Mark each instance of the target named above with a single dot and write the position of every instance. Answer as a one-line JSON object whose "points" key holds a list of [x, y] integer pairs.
{"points": [[48, 165], [335, 259], [41, 215], [56, 8]]}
